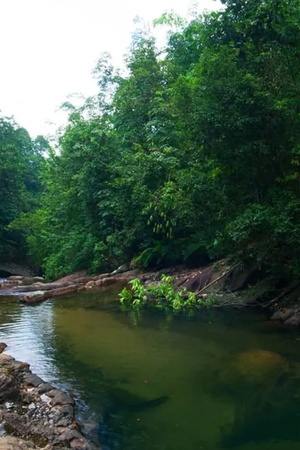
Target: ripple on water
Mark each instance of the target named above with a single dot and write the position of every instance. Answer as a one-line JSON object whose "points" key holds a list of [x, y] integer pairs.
{"points": [[27, 332]]}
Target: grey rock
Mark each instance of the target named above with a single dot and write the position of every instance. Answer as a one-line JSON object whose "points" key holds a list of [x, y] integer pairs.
{"points": [[121, 269], [8, 389], [294, 320], [64, 422], [283, 315], [53, 392], [61, 399], [69, 435], [30, 379], [44, 388]]}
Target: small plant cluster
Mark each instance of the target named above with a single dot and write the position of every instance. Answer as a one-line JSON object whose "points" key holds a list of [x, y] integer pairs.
{"points": [[163, 296]]}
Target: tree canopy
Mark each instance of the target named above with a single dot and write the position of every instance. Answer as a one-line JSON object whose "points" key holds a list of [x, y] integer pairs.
{"points": [[19, 185], [190, 156]]}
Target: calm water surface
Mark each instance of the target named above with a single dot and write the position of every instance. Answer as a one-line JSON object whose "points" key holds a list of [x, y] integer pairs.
{"points": [[158, 382]]}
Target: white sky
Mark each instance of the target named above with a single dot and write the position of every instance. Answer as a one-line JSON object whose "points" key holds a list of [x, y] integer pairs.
{"points": [[49, 48]]}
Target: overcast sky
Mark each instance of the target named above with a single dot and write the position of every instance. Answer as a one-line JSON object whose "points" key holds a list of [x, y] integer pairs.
{"points": [[49, 48]]}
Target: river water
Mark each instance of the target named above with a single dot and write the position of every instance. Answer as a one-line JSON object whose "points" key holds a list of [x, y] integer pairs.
{"points": [[163, 382]]}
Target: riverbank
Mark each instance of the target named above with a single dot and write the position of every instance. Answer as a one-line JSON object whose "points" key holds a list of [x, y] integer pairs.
{"points": [[221, 283], [33, 413], [215, 278]]}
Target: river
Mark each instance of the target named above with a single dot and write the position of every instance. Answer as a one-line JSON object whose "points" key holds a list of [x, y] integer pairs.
{"points": [[153, 381]]}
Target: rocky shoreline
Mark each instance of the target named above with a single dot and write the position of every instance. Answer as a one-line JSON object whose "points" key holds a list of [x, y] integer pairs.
{"points": [[33, 413], [233, 286], [34, 290]]}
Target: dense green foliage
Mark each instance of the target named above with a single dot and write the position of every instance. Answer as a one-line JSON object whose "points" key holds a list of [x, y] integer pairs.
{"points": [[19, 185], [192, 155]]}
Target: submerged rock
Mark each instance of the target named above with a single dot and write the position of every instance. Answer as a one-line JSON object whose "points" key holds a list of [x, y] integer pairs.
{"points": [[260, 383], [125, 400], [260, 366], [249, 379]]}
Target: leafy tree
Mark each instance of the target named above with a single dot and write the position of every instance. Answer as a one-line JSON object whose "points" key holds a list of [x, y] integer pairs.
{"points": [[192, 154], [19, 185]]}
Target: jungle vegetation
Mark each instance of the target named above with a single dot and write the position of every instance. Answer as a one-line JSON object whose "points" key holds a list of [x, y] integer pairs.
{"points": [[192, 153]]}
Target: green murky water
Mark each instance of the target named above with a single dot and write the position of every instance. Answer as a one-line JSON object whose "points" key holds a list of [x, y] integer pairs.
{"points": [[223, 379]]}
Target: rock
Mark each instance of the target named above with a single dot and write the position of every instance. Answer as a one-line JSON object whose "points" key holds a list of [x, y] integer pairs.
{"points": [[61, 399], [41, 287], [30, 379], [64, 290], [15, 269], [125, 400], [242, 277], [90, 284], [32, 299], [121, 269], [30, 414], [106, 281], [257, 365], [197, 282], [130, 274], [8, 389], [53, 392], [81, 288], [2, 347], [45, 398], [38, 284], [72, 277], [66, 421], [32, 280], [294, 320], [82, 444], [103, 275], [69, 434], [282, 315], [90, 428], [34, 293], [44, 387], [35, 279], [13, 443], [83, 280], [14, 422], [67, 410], [16, 278]]}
